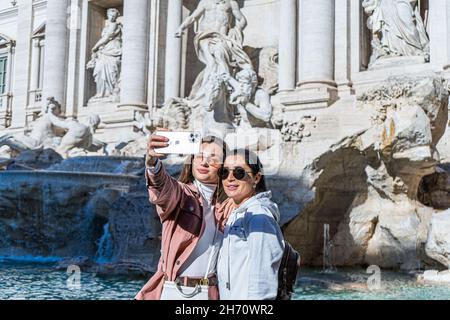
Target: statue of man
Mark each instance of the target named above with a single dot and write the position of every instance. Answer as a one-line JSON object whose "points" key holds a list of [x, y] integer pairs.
{"points": [[397, 28], [218, 46], [253, 103], [53, 131], [45, 131], [106, 58], [79, 135]]}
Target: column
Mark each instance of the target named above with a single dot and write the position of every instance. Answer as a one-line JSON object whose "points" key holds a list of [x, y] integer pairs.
{"points": [[41, 63], [5, 109], [342, 46], [84, 57], [287, 44], [439, 28], [73, 58], [134, 55], [56, 42], [173, 50], [153, 56], [22, 65], [316, 27], [9, 66], [35, 62], [356, 26]]}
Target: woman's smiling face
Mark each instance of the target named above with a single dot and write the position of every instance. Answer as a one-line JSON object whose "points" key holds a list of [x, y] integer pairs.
{"points": [[239, 190]]}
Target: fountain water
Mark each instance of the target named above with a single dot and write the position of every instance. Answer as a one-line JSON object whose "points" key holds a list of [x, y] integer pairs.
{"points": [[327, 250], [61, 211], [105, 246]]}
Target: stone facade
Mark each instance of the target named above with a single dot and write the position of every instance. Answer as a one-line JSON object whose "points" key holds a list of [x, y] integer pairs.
{"points": [[327, 50], [346, 114]]}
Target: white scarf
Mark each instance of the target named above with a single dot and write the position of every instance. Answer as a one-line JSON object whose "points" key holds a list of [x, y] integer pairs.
{"points": [[206, 190]]}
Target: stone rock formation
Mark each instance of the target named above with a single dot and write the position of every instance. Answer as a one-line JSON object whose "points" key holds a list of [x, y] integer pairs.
{"points": [[63, 211], [434, 190], [341, 145], [435, 277], [368, 167], [438, 242], [135, 231], [365, 183]]}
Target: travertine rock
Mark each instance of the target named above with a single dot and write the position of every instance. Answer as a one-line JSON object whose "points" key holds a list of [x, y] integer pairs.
{"points": [[438, 242], [365, 184]]}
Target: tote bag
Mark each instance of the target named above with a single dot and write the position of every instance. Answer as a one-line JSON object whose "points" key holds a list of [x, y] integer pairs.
{"points": [[173, 290]]}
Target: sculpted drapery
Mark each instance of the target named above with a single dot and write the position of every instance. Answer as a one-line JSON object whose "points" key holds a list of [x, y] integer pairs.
{"points": [[106, 58], [397, 28]]}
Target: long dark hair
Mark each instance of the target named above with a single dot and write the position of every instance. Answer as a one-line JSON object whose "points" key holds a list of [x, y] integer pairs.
{"points": [[252, 160], [187, 176]]}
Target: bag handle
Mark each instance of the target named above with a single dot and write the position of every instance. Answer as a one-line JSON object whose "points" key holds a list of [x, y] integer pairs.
{"points": [[192, 294]]}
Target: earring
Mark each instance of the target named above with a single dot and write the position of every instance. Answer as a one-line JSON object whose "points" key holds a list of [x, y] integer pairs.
{"points": [[254, 186]]}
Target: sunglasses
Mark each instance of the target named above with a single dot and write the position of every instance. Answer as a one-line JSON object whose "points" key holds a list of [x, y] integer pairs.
{"points": [[239, 173]]}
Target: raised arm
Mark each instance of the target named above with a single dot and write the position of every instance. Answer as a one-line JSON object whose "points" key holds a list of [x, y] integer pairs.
{"points": [[198, 12], [164, 191], [107, 37], [262, 109], [241, 21]]}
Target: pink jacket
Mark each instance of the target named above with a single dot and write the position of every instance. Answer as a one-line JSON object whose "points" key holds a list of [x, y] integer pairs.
{"points": [[180, 209]]}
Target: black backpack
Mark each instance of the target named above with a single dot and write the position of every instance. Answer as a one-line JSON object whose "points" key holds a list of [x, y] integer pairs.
{"points": [[287, 274]]}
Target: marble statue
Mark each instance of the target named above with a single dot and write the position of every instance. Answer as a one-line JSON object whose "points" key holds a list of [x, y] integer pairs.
{"points": [[52, 131], [228, 95], [397, 29], [218, 45], [268, 69], [252, 102], [106, 59], [44, 133], [80, 136]]}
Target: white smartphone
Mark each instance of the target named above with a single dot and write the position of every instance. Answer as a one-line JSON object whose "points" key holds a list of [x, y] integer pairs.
{"points": [[180, 142]]}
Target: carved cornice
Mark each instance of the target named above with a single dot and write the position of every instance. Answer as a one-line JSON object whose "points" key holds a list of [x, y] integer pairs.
{"points": [[39, 4], [9, 13]]}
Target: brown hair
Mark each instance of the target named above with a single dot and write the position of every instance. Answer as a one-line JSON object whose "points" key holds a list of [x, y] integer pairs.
{"points": [[252, 160], [187, 176]]}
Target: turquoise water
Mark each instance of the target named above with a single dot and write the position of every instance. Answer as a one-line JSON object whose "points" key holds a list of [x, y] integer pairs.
{"points": [[37, 279], [22, 280], [353, 285]]}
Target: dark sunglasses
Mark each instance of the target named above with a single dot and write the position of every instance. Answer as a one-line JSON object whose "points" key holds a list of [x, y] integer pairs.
{"points": [[239, 173]]}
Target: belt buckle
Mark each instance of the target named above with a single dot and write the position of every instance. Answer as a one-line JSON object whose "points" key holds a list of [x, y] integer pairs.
{"points": [[204, 282]]}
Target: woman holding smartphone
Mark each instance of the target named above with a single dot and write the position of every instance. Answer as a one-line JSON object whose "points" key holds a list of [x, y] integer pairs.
{"points": [[253, 244], [191, 235]]}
